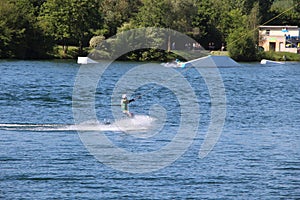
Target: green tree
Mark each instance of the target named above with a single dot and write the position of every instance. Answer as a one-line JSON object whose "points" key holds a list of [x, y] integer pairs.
{"points": [[254, 22], [70, 21], [177, 15], [218, 18], [153, 13], [290, 10], [6, 33], [20, 35], [264, 10], [117, 12], [181, 15], [202, 16]]}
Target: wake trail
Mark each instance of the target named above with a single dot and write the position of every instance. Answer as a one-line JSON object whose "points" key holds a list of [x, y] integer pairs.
{"points": [[138, 123]]}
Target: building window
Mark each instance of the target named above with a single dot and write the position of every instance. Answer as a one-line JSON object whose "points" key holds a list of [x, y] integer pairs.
{"points": [[267, 32]]}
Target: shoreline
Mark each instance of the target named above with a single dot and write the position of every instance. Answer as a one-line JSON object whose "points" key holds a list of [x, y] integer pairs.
{"points": [[185, 55]]}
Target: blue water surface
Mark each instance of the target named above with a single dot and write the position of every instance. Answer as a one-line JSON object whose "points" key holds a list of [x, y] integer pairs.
{"points": [[256, 157]]}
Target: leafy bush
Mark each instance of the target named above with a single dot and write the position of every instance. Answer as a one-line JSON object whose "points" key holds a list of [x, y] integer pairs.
{"points": [[96, 41]]}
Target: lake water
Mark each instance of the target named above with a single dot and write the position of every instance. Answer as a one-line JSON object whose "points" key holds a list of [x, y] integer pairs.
{"points": [[44, 154]]}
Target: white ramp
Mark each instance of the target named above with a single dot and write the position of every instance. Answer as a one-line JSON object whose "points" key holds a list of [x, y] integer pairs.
{"points": [[212, 61], [85, 60]]}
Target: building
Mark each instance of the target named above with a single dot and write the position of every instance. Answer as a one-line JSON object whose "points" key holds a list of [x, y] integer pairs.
{"points": [[280, 38]]}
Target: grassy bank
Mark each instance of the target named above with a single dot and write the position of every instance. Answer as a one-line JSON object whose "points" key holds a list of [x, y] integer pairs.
{"points": [[72, 52], [219, 53], [269, 55], [280, 56]]}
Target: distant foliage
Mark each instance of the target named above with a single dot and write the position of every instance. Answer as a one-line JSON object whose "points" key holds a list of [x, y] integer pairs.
{"points": [[33, 28]]}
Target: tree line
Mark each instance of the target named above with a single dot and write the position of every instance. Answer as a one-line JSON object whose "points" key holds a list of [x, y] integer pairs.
{"points": [[32, 29]]}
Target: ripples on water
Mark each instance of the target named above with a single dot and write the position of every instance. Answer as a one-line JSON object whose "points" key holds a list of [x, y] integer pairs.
{"points": [[257, 156]]}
